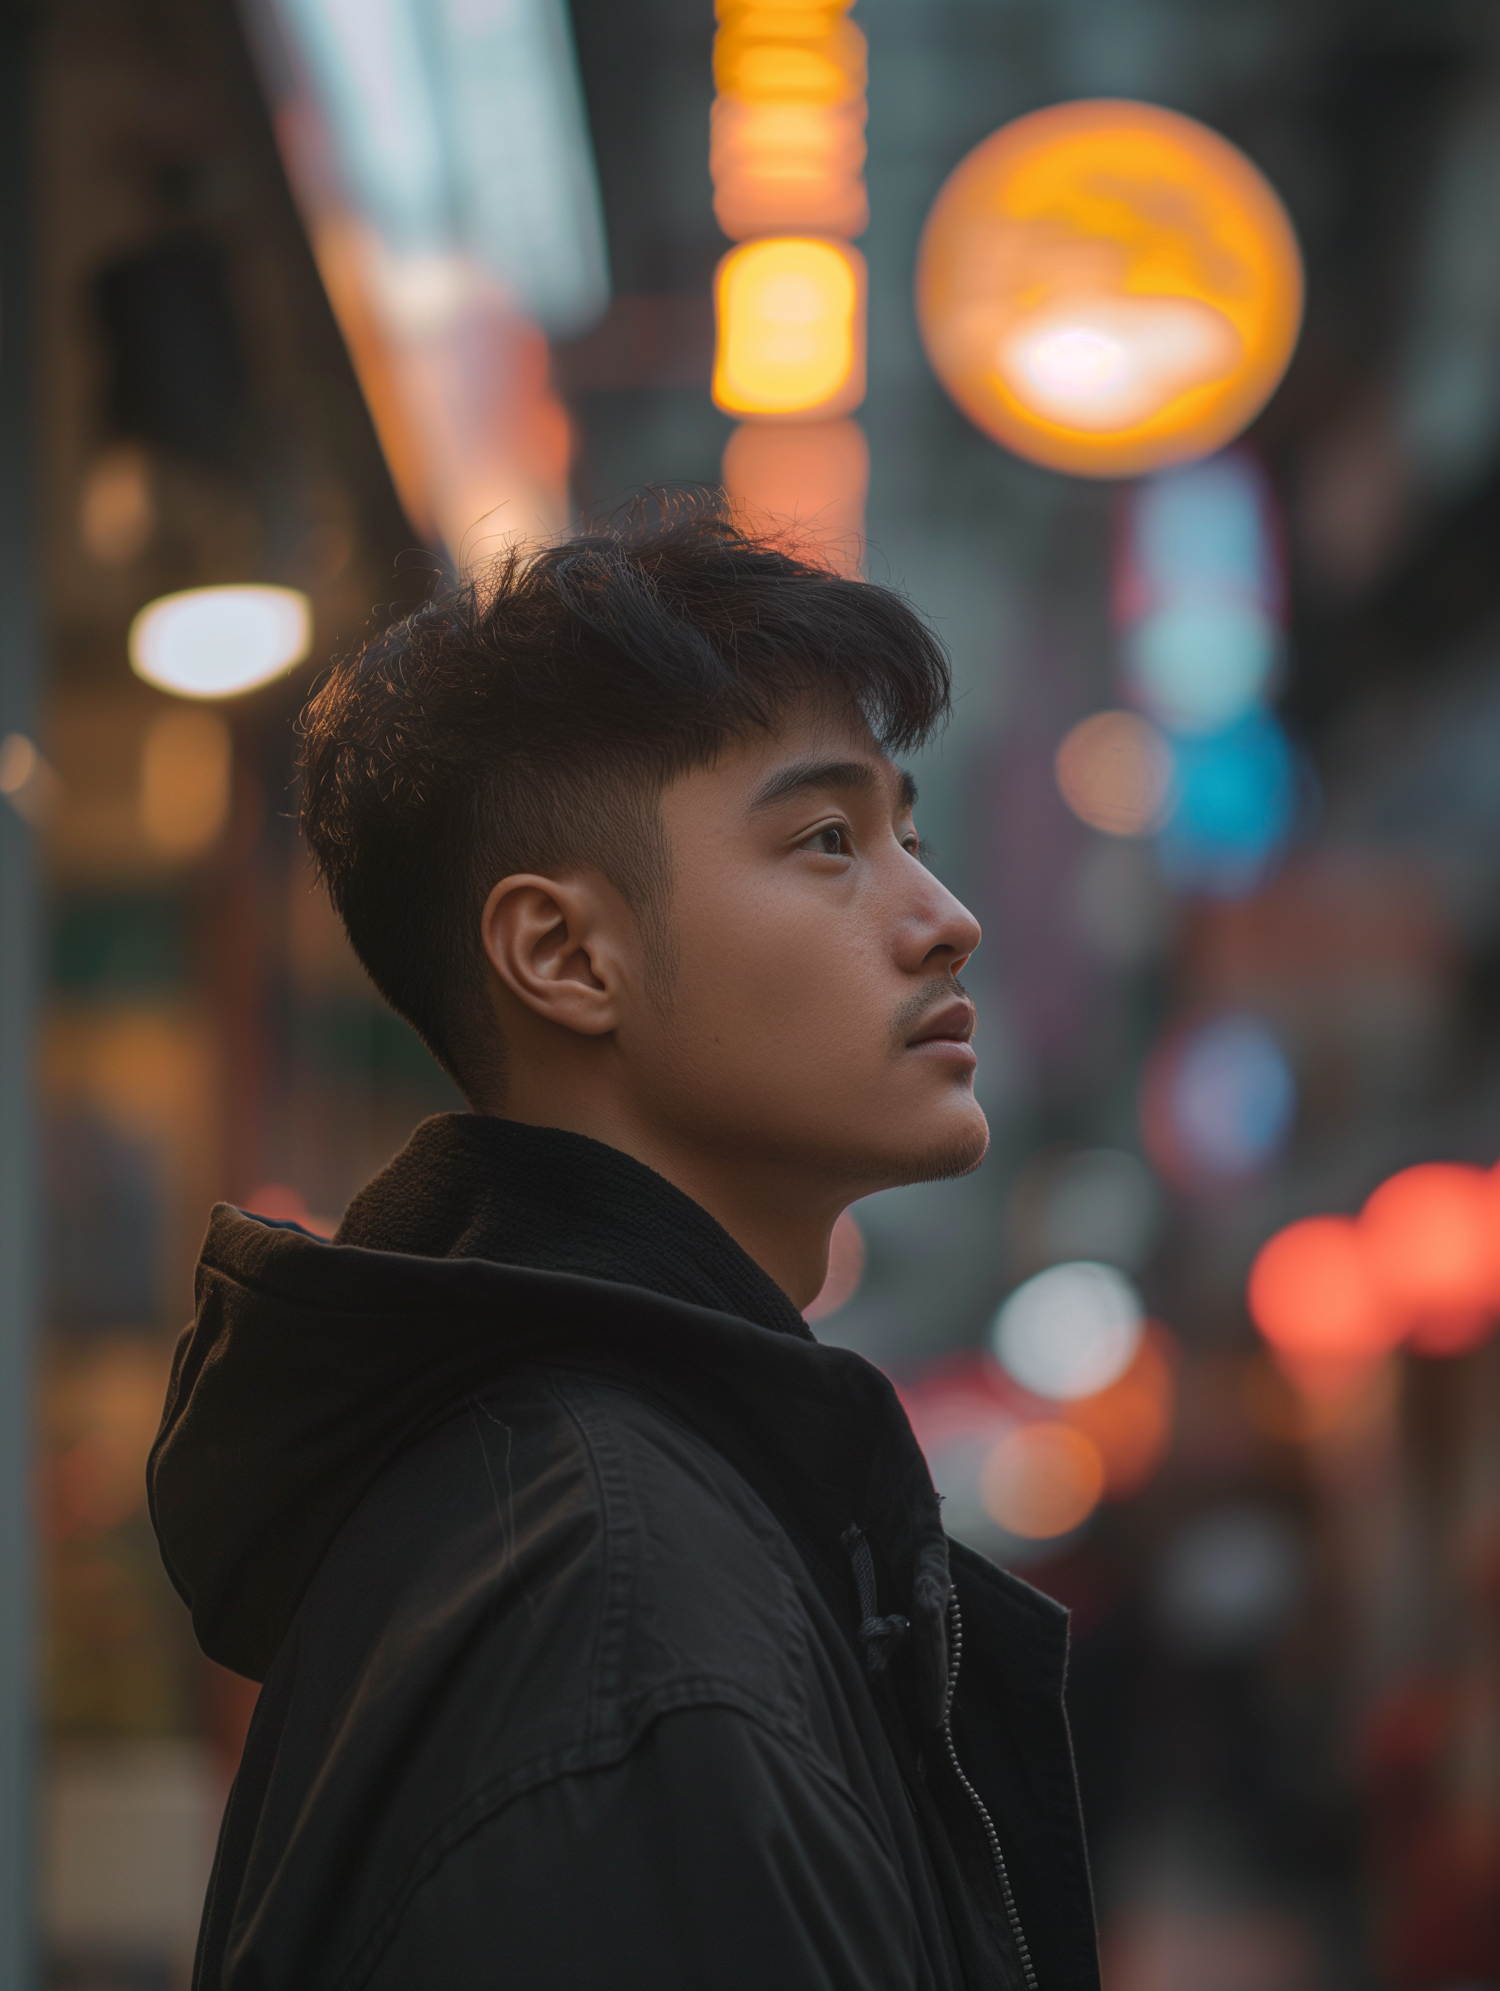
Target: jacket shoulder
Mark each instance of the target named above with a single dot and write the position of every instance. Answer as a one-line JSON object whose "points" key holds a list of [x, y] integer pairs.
{"points": [[703, 1596], [518, 1599]]}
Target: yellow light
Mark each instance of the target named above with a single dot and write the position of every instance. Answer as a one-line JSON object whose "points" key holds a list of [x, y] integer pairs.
{"points": [[827, 67], [1106, 287], [217, 642], [790, 328]]}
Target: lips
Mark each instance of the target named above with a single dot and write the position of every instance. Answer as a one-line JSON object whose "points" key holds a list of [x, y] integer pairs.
{"points": [[952, 1023]]}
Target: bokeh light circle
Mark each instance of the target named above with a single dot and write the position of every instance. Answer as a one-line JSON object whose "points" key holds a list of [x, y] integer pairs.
{"points": [[1114, 771], [1219, 1101], [1071, 1331], [1314, 1295], [1042, 1480], [1433, 1238], [1106, 287], [219, 642]]}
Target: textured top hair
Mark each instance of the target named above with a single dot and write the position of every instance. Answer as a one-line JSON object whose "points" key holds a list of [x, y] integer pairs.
{"points": [[530, 716]]}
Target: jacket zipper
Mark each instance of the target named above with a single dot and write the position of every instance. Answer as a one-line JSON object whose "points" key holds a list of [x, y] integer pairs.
{"points": [[1002, 1872]]}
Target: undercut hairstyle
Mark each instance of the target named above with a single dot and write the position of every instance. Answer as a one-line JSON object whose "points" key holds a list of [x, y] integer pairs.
{"points": [[527, 719]]}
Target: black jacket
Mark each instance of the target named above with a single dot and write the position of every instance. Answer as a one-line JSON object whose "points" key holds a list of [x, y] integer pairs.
{"points": [[608, 1630]]}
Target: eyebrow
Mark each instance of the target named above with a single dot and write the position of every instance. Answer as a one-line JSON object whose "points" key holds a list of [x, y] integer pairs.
{"points": [[805, 774]]}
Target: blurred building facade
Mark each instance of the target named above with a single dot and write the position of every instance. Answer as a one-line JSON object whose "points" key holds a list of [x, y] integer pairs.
{"points": [[1287, 1610]]}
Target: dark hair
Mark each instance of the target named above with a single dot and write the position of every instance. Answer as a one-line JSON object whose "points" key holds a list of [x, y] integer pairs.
{"points": [[530, 716]]}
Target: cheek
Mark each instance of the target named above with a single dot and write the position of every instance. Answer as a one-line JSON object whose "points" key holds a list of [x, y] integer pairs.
{"points": [[787, 995]]}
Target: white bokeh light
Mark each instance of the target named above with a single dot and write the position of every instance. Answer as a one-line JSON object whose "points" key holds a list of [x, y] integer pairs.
{"points": [[1071, 1331], [217, 642]]}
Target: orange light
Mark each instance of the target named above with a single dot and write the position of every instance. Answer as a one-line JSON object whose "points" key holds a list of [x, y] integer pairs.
{"points": [[788, 131], [1314, 1295], [1114, 771], [1433, 1238], [1130, 1423], [790, 328], [803, 50], [773, 55], [811, 476], [1106, 287], [1042, 1480], [788, 165]]}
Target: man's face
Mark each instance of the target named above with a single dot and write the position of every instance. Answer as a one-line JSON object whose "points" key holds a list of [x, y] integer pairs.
{"points": [[814, 1018]]}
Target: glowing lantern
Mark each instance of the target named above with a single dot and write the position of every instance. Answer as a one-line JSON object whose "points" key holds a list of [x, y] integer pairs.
{"points": [[1315, 1297], [1106, 287], [217, 642], [791, 328], [1432, 1235]]}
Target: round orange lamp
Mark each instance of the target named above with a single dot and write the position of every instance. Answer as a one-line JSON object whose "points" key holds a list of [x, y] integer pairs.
{"points": [[1106, 287]]}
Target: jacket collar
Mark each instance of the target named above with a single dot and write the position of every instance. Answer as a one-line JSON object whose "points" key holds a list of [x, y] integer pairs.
{"points": [[469, 1185], [310, 1366]]}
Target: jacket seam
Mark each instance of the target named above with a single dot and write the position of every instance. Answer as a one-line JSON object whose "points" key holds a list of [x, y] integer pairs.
{"points": [[581, 1759], [619, 1533], [600, 1443]]}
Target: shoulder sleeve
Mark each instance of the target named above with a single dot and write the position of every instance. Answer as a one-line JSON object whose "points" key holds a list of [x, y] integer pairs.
{"points": [[715, 1857]]}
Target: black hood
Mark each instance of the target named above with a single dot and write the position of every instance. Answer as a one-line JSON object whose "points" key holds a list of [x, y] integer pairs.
{"points": [[310, 1366]]}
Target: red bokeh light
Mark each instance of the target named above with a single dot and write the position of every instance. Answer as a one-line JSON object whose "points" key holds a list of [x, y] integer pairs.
{"points": [[1421, 1264], [1433, 1238], [1314, 1295]]}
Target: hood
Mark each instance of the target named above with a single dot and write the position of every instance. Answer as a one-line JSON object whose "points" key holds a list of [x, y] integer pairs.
{"points": [[310, 1366]]}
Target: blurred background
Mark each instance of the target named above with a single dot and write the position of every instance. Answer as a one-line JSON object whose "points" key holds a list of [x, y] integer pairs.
{"points": [[300, 300]]}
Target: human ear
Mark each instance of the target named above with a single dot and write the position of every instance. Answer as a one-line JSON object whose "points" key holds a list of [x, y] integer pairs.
{"points": [[549, 942]]}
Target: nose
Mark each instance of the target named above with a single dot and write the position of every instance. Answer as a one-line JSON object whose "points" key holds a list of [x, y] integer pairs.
{"points": [[942, 932]]}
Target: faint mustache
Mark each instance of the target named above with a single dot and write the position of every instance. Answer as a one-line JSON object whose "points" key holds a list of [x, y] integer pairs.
{"points": [[918, 1005]]}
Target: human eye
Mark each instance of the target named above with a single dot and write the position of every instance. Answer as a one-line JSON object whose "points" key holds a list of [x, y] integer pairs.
{"points": [[829, 840]]}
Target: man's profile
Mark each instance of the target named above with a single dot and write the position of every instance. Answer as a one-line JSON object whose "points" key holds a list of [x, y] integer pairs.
{"points": [[608, 1631]]}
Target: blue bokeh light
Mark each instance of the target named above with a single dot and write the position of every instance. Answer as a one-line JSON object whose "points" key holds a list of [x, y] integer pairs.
{"points": [[1236, 793], [1201, 531], [1232, 1098], [1200, 662]]}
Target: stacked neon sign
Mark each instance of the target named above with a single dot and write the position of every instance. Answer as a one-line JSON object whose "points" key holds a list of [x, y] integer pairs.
{"points": [[1201, 763], [787, 156], [1199, 603]]}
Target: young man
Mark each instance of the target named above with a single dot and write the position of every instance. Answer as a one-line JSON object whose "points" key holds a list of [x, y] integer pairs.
{"points": [[608, 1630]]}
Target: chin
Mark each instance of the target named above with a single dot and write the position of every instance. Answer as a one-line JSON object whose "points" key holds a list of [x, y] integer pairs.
{"points": [[957, 1149]]}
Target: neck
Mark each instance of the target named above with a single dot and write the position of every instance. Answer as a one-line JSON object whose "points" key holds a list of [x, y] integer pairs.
{"points": [[780, 1219]]}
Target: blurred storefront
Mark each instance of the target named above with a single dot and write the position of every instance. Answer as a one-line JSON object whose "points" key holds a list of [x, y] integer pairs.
{"points": [[1223, 784]]}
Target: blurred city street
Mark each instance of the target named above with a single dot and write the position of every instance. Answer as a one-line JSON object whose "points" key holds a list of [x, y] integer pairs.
{"points": [[1152, 348]]}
